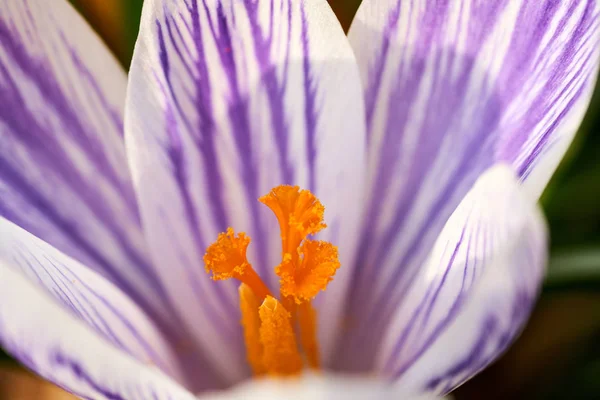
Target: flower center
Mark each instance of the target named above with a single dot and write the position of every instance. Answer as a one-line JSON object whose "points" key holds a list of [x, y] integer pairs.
{"points": [[272, 326]]}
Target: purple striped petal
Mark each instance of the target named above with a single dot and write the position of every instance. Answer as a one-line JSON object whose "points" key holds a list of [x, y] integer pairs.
{"points": [[63, 172], [87, 295], [475, 292], [61, 348], [228, 99], [453, 87]]}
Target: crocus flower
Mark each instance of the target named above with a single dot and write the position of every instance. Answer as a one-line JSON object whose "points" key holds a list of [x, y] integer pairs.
{"points": [[423, 140]]}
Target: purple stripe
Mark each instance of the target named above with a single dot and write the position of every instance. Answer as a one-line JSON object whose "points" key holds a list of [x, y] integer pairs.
{"points": [[515, 79], [176, 157], [477, 357], [203, 137], [115, 118], [239, 115], [557, 77], [310, 112], [57, 359], [275, 89], [46, 82], [61, 360], [19, 183], [76, 294], [80, 306], [429, 303], [376, 72], [206, 129], [426, 341], [110, 309], [490, 325]]}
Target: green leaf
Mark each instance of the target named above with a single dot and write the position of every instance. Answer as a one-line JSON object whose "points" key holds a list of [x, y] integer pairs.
{"points": [[575, 267], [133, 11]]}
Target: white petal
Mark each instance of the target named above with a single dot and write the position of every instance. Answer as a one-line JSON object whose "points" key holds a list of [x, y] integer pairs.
{"points": [[228, 99], [59, 347], [473, 296], [94, 300]]}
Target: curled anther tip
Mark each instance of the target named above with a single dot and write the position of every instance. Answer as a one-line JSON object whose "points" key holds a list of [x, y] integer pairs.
{"points": [[226, 258]]}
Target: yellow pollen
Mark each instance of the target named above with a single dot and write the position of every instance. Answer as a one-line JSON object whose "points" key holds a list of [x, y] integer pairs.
{"points": [[315, 268], [280, 351], [306, 267]]}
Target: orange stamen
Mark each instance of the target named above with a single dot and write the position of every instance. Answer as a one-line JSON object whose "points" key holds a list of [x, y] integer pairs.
{"points": [[316, 266], [249, 305], [280, 351], [306, 268], [226, 258], [307, 321]]}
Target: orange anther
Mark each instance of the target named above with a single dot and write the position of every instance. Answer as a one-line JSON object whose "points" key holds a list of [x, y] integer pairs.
{"points": [[226, 258], [316, 265]]}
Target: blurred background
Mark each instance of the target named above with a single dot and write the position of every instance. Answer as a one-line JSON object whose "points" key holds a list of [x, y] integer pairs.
{"points": [[558, 355]]}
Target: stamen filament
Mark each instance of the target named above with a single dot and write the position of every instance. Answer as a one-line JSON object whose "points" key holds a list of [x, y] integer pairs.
{"points": [[251, 278], [249, 305], [307, 322]]}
